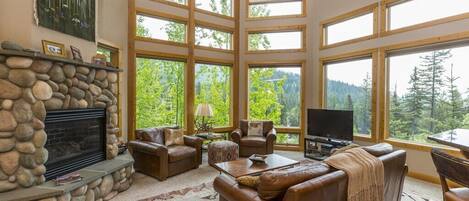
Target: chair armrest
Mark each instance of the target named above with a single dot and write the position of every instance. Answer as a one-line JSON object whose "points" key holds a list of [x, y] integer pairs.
{"points": [[319, 188], [236, 136], [230, 190], [148, 148], [271, 137], [196, 143]]}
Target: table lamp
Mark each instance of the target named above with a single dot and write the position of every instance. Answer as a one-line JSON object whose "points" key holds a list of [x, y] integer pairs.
{"points": [[204, 110]]}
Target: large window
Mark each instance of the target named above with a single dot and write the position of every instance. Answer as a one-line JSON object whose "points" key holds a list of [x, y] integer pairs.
{"points": [[350, 29], [159, 93], [213, 86], [222, 7], [275, 94], [183, 2], [427, 92], [349, 87], [281, 40], [161, 29], [260, 9], [404, 14], [213, 38]]}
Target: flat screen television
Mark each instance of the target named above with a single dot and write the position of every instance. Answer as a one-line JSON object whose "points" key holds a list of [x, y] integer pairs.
{"points": [[331, 124]]}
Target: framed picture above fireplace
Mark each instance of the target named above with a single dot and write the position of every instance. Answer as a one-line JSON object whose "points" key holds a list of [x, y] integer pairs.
{"points": [[72, 17]]}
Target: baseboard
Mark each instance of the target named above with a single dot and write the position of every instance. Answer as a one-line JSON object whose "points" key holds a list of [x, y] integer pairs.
{"points": [[431, 179]]}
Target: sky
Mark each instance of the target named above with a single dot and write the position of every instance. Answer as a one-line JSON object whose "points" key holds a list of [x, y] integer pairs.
{"points": [[287, 8]]}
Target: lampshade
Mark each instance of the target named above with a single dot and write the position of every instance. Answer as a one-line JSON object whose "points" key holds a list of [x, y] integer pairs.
{"points": [[204, 110]]}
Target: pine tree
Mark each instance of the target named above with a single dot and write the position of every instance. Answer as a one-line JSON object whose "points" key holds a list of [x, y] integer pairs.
{"points": [[349, 102], [397, 121], [414, 103], [432, 76], [455, 102], [364, 111]]}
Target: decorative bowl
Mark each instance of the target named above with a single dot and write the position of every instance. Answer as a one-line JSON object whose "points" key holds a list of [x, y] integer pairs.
{"points": [[257, 158]]}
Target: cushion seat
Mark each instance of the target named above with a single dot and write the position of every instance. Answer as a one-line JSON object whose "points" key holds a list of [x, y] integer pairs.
{"points": [[458, 194], [253, 141], [180, 152]]}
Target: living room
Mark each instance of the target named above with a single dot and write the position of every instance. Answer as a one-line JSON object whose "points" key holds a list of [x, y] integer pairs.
{"points": [[234, 100]]}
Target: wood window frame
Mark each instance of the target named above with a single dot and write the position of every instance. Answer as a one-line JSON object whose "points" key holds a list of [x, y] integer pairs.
{"points": [[220, 62], [273, 64], [210, 13], [384, 89], [373, 9], [280, 29], [170, 3], [215, 27], [166, 17], [369, 53], [303, 13], [385, 19]]}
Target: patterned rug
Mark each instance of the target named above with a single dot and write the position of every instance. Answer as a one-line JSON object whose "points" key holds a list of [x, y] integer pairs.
{"points": [[206, 192]]}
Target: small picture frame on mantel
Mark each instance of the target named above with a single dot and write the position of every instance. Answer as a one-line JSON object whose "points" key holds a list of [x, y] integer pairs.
{"points": [[53, 48], [76, 54]]}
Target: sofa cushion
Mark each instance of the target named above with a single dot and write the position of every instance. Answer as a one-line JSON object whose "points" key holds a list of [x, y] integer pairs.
{"points": [[155, 135], [253, 141], [379, 149], [173, 136], [275, 183], [180, 152]]}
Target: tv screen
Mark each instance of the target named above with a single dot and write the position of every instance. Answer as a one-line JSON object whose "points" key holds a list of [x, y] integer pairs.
{"points": [[332, 124]]}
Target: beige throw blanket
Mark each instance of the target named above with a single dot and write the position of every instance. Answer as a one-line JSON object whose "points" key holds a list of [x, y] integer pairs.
{"points": [[365, 174]]}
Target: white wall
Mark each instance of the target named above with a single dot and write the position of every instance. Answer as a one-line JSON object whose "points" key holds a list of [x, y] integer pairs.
{"points": [[17, 24], [419, 162]]}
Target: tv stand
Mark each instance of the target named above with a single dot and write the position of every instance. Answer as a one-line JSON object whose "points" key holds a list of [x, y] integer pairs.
{"points": [[320, 148]]}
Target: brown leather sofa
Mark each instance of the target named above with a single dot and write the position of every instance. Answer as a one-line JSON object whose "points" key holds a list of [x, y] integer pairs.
{"points": [[249, 145], [155, 159], [327, 184]]}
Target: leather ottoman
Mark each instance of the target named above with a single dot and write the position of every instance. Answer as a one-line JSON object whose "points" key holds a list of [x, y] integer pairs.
{"points": [[222, 151]]}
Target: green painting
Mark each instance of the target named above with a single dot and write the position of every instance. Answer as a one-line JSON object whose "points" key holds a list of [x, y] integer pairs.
{"points": [[73, 17]]}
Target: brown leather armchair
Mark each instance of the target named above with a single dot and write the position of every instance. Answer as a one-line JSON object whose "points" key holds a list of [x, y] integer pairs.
{"points": [[327, 184], [249, 145], [155, 159], [454, 169]]}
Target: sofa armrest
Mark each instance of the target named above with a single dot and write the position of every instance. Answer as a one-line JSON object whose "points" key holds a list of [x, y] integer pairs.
{"points": [[230, 190], [236, 136], [196, 143], [320, 188], [148, 148], [271, 138]]}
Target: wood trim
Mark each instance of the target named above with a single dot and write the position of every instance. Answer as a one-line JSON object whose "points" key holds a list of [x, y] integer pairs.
{"points": [[372, 8], [131, 79], [431, 179], [161, 15], [190, 70], [214, 49], [172, 3], [373, 54], [421, 146], [209, 25], [292, 28], [385, 19], [236, 65], [159, 41], [428, 41], [212, 61], [284, 147], [302, 15], [160, 55], [210, 13]]}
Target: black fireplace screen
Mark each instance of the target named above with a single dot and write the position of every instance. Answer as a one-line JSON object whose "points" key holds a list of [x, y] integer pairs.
{"points": [[75, 139]]}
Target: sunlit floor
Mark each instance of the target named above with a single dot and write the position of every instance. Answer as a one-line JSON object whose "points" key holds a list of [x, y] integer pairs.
{"points": [[145, 186]]}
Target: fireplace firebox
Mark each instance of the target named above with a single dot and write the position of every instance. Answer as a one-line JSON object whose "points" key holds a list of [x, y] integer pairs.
{"points": [[75, 139]]}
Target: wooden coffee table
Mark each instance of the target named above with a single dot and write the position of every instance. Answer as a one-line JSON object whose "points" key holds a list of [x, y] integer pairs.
{"points": [[244, 167]]}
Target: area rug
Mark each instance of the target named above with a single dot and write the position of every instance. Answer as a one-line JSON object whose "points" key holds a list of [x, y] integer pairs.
{"points": [[205, 192]]}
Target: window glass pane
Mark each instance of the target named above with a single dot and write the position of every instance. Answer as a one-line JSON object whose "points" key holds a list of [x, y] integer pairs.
{"points": [[105, 52], [402, 15], [213, 86], [275, 41], [276, 9], [222, 7], [213, 38], [160, 93], [349, 86], [184, 2], [428, 93], [151, 27], [350, 29], [288, 139], [274, 94]]}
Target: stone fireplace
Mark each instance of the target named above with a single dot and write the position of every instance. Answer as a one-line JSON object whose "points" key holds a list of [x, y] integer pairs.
{"points": [[58, 116]]}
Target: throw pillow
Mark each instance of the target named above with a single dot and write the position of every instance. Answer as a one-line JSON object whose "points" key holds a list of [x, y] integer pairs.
{"points": [[249, 181], [173, 137], [255, 128]]}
